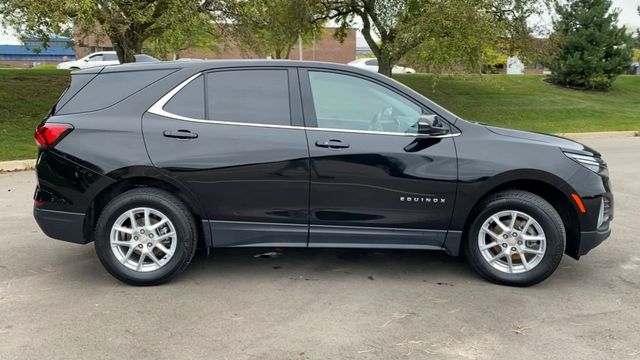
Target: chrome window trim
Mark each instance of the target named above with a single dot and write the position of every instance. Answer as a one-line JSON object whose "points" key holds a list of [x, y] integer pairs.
{"points": [[158, 109]]}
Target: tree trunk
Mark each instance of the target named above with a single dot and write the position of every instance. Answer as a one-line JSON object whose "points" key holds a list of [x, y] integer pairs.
{"points": [[126, 44], [385, 64]]}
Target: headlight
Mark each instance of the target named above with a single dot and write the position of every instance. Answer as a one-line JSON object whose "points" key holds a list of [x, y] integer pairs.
{"points": [[590, 162]]}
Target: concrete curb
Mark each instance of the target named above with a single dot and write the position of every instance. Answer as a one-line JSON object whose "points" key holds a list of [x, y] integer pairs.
{"points": [[600, 135], [17, 165], [21, 165]]}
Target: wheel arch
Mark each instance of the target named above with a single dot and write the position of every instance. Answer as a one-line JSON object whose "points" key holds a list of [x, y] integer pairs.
{"points": [[137, 180], [541, 186]]}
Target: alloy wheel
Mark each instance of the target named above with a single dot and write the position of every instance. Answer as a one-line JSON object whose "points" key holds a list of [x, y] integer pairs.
{"points": [[512, 242], [143, 239]]}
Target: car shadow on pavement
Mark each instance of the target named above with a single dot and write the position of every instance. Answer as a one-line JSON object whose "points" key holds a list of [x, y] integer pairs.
{"points": [[324, 264]]}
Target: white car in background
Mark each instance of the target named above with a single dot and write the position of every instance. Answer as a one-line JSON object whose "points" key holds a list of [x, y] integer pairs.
{"points": [[101, 58], [371, 64]]}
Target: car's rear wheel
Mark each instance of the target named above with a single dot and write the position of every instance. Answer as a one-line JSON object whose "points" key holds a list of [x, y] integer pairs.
{"points": [[517, 238], [145, 237]]}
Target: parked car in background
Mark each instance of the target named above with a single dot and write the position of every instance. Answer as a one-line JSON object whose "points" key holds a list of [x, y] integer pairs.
{"points": [[101, 58], [371, 64], [150, 161]]}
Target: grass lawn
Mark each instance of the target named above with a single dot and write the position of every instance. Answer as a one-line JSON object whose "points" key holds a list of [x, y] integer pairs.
{"points": [[528, 103], [26, 96], [521, 102]]}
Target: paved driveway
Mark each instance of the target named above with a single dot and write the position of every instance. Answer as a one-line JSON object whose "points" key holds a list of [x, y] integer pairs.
{"points": [[56, 301]]}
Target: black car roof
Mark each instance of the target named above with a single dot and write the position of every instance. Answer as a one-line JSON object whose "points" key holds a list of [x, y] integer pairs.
{"points": [[198, 65]]}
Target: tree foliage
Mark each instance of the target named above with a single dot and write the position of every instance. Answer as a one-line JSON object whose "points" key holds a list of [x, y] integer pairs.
{"points": [[266, 27], [590, 50], [127, 23], [435, 33]]}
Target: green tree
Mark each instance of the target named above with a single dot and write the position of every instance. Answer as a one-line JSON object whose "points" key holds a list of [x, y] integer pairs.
{"points": [[266, 27], [589, 50], [127, 23], [435, 32]]}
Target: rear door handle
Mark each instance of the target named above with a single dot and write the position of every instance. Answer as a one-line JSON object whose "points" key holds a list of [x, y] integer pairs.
{"points": [[332, 144], [180, 134]]}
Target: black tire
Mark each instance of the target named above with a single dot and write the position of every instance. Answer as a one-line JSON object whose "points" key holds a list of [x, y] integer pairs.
{"points": [[545, 214], [178, 214]]}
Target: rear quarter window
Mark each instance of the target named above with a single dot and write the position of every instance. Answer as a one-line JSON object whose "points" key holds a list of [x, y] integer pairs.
{"points": [[107, 89], [189, 101]]}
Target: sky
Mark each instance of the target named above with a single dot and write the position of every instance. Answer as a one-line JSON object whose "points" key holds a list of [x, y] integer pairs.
{"points": [[628, 16]]}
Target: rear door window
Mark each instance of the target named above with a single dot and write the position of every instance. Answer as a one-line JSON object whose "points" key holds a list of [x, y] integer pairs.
{"points": [[110, 57], [249, 96]]}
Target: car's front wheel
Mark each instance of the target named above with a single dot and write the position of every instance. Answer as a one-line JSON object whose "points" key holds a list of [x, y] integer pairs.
{"points": [[145, 237], [517, 238]]}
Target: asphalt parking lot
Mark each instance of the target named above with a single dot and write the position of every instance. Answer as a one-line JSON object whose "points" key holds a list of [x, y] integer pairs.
{"points": [[56, 300]]}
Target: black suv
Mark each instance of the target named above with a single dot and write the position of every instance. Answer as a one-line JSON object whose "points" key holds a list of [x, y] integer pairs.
{"points": [[152, 161]]}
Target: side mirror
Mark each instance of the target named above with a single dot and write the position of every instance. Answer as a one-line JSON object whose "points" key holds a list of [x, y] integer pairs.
{"points": [[432, 125]]}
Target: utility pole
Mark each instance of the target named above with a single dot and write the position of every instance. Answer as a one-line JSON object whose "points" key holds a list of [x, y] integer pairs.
{"points": [[314, 46], [300, 47]]}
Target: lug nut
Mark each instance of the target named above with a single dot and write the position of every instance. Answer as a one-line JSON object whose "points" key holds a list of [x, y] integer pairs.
{"points": [[141, 231], [513, 249], [504, 245], [140, 246], [505, 236], [149, 244], [514, 234], [520, 242], [150, 236], [135, 238]]}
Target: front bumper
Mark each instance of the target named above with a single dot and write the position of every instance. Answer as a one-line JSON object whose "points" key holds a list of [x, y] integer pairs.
{"points": [[591, 239], [61, 225]]}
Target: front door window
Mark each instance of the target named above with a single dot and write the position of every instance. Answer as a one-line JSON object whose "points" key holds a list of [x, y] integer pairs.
{"points": [[351, 103]]}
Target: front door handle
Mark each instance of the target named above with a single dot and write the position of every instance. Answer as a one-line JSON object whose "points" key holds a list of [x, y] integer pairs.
{"points": [[180, 134], [332, 144]]}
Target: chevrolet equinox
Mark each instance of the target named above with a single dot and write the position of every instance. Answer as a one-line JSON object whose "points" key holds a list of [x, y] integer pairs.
{"points": [[151, 161]]}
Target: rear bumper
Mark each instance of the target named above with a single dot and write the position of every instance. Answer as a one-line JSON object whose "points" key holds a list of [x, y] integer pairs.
{"points": [[61, 225], [591, 239]]}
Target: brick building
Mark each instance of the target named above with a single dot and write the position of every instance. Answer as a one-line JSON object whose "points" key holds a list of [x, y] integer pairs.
{"points": [[325, 48]]}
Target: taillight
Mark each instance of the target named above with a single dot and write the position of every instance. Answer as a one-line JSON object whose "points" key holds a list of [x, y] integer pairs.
{"points": [[47, 135]]}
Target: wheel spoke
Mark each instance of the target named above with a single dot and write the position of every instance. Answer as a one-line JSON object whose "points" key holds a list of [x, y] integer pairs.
{"points": [[524, 261], [502, 226], [164, 249], [509, 262], [529, 250], [147, 222], [154, 258], [128, 255], [526, 226], [514, 216], [158, 224], [122, 243], [123, 230], [143, 255], [499, 256], [491, 233], [489, 246], [165, 236], [132, 218], [533, 238]]}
